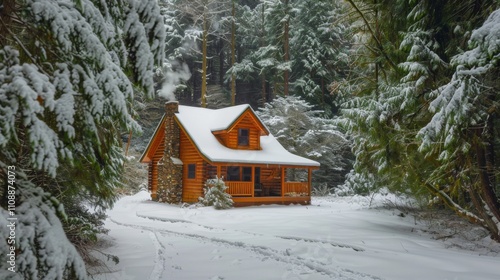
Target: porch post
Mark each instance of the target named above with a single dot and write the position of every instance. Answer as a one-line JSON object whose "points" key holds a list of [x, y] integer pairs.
{"points": [[253, 181], [218, 172], [151, 179], [282, 181], [309, 180]]}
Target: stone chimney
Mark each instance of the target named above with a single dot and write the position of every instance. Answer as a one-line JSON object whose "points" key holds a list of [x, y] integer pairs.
{"points": [[170, 166]]}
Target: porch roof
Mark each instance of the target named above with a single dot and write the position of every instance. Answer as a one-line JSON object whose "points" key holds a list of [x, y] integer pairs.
{"points": [[199, 123]]}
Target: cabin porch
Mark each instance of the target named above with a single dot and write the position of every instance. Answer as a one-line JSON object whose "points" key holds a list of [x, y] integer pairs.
{"points": [[254, 184]]}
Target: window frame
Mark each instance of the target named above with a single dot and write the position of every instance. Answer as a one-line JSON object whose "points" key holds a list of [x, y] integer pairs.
{"points": [[231, 173], [236, 173], [244, 140], [191, 171], [246, 177]]}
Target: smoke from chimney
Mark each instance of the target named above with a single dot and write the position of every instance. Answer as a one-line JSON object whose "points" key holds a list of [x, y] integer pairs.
{"points": [[175, 73]]}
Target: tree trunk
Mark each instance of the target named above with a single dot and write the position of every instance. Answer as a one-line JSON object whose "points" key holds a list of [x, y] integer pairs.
{"points": [[485, 184], [6, 14], [204, 63], [263, 81], [286, 50], [221, 61], [262, 43], [486, 221], [233, 56]]}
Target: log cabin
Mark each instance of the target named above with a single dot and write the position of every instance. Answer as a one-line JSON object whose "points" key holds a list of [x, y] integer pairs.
{"points": [[191, 145]]}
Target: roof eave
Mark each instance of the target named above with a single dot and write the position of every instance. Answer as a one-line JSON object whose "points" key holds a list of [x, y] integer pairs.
{"points": [[149, 146]]}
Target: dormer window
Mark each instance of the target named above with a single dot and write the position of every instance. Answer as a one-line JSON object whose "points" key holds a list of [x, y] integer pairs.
{"points": [[243, 137]]}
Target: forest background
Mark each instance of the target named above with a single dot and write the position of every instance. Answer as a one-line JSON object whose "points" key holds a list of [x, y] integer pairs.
{"points": [[409, 101], [417, 93]]}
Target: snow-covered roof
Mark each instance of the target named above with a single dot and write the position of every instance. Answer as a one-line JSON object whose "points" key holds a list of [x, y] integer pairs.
{"points": [[199, 123]]}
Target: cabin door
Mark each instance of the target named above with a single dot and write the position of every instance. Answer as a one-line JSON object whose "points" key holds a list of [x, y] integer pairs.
{"points": [[257, 184]]}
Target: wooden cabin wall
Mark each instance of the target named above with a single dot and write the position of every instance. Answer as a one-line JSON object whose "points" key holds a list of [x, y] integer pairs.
{"points": [[210, 172], [222, 138], [192, 188], [153, 167]]}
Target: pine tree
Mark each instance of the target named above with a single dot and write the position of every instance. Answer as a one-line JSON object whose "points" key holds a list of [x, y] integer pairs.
{"points": [[276, 53], [409, 64], [215, 194], [463, 131], [269, 29], [180, 52], [250, 35], [204, 16], [319, 47], [68, 70], [303, 131]]}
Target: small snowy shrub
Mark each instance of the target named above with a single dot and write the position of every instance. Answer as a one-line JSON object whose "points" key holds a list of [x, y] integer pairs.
{"points": [[215, 194], [355, 183], [321, 190]]}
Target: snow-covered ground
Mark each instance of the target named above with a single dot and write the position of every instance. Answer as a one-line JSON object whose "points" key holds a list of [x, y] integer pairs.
{"points": [[334, 238]]}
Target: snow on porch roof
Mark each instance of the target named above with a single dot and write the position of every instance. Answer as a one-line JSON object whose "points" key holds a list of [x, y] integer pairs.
{"points": [[199, 123]]}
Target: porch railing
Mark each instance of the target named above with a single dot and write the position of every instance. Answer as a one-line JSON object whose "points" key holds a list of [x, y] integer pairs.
{"points": [[296, 189], [237, 188]]}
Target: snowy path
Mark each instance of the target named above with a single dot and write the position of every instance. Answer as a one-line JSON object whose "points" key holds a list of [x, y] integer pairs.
{"points": [[215, 244], [279, 242]]}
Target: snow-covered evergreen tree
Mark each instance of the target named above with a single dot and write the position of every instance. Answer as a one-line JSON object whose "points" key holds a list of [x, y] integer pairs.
{"points": [[296, 47], [319, 47], [68, 74], [414, 130], [215, 194], [268, 29], [303, 131], [464, 130], [180, 49]]}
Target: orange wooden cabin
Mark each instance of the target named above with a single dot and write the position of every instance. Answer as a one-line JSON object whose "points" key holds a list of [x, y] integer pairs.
{"points": [[191, 145]]}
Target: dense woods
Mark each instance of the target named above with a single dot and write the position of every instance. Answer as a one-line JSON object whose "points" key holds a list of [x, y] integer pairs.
{"points": [[69, 71], [416, 93], [410, 86], [424, 103], [253, 51]]}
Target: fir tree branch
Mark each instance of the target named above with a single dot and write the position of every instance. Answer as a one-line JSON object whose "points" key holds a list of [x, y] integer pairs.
{"points": [[377, 41]]}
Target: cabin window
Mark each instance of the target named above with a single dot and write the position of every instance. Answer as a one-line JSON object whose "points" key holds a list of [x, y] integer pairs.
{"points": [[243, 135], [191, 171], [257, 175], [237, 173], [233, 173], [246, 174]]}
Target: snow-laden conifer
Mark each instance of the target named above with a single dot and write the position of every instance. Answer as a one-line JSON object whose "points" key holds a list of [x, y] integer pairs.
{"points": [[320, 47], [463, 131], [215, 194], [69, 71], [419, 128], [303, 131]]}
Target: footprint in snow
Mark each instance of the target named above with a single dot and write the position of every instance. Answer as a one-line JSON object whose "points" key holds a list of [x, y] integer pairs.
{"points": [[236, 262]]}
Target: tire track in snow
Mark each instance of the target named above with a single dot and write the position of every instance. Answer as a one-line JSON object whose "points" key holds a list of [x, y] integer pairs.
{"points": [[175, 221], [308, 240], [160, 255], [334, 244], [283, 257]]}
